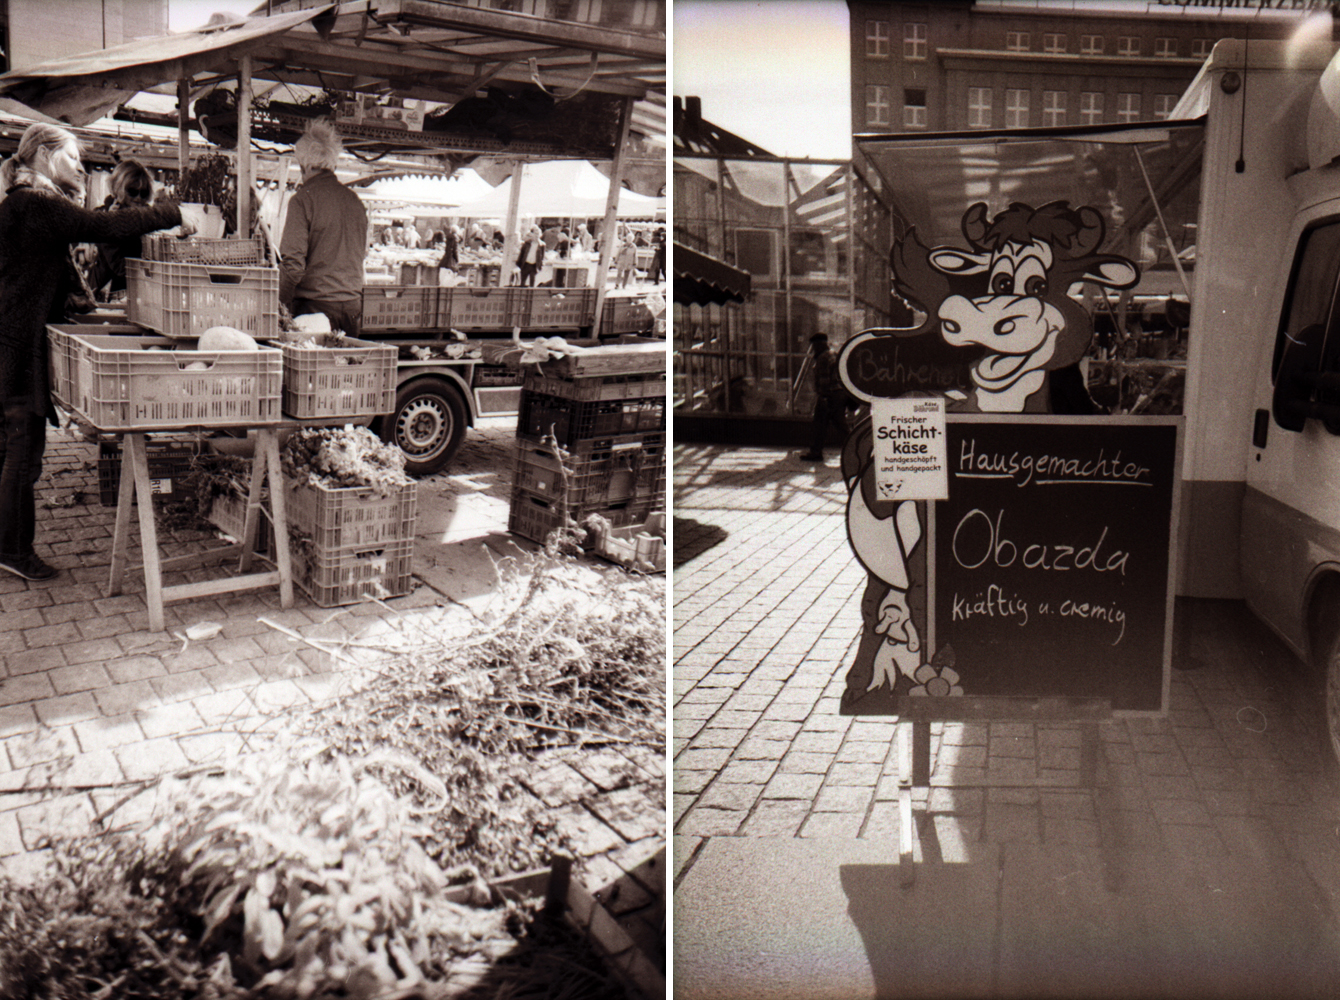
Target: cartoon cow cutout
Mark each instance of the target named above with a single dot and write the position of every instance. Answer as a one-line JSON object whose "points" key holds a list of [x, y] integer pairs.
{"points": [[1005, 296]]}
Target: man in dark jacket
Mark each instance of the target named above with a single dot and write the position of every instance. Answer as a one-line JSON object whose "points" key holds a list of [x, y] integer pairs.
{"points": [[830, 403], [325, 238]]}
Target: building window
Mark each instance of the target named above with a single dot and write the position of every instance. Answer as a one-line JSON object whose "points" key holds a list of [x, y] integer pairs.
{"points": [[1165, 48], [1200, 47], [1053, 107], [914, 41], [1053, 43], [1016, 109], [1128, 45], [979, 107], [1128, 107], [876, 105], [1163, 105], [914, 108], [877, 39], [1091, 45], [1017, 41], [1091, 108]]}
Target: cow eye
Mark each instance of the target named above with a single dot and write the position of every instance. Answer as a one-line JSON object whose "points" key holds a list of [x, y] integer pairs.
{"points": [[1035, 286], [1002, 284]]}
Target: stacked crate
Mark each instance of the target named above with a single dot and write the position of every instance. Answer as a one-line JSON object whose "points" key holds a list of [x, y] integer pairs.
{"points": [[352, 544], [589, 443]]}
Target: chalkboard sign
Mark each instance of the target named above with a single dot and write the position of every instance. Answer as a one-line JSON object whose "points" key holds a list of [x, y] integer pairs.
{"points": [[1047, 573], [1052, 557]]}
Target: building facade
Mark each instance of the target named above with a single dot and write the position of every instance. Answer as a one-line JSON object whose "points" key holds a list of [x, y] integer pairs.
{"points": [[33, 31], [954, 66]]}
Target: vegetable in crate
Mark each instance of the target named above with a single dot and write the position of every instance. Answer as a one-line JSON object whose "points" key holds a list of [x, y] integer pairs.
{"points": [[339, 458]]}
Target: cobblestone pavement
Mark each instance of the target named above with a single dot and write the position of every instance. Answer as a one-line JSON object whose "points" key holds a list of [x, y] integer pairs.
{"points": [[82, 681], [765, 619]]}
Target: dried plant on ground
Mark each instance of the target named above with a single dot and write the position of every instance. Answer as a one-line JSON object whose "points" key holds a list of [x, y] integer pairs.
{"points": [[567, 658]]}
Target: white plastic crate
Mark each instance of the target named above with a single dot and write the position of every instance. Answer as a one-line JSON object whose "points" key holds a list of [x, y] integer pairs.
{"points": [[122, 380], [184, 300]]}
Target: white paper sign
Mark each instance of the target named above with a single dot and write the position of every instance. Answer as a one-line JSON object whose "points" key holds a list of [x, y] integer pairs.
{"points": [[911, 452]]}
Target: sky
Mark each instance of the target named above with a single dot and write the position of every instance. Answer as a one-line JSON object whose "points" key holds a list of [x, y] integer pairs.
{"points": [[775, 72], [186, 14]]}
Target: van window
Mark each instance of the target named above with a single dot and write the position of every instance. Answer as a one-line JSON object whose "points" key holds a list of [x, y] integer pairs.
{"points": [[1309, 303]]}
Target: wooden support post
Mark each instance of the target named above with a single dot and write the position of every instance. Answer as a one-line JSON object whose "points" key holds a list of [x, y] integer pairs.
{"points": [[244, 193], [609, 229]]}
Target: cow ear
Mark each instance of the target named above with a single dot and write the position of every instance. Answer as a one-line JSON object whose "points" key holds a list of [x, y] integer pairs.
{"points": [[1111, 272], [952, 261]]}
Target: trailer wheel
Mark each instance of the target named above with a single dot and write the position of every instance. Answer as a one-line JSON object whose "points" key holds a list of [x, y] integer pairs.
{"points": [[428, 424]]}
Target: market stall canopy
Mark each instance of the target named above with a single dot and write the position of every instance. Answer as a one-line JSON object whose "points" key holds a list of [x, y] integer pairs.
{"points": [[1127, 172], [702, 280], [503, 82], [568, 189]]}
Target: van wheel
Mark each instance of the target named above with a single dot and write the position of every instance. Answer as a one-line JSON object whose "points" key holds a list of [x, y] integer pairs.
{"points": [[428, 424], [1333, 694]]}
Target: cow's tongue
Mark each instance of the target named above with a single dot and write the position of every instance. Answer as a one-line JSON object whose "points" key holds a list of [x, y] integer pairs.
{"points": [[1000, 367]]}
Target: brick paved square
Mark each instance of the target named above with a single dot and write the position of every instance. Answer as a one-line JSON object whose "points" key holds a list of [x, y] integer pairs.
{"points": [[134, 668], [11, 840], [776, 730], [953, 756], [1161, 763], [17, 719], [41, 746], [167, 720], [844, 798], [1010, 770]]}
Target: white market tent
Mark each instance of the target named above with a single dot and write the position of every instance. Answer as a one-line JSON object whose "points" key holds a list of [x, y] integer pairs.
{"points": [[568, 189]]}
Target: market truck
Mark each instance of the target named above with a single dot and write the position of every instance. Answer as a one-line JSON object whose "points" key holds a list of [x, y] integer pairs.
{"points": [[452, 345], [1231, 206]]}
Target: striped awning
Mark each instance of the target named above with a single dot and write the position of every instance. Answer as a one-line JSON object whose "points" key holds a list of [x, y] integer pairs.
{"points": [[702, 280]]}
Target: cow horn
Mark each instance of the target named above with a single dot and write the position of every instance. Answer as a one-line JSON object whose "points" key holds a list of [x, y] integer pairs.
{"points": [[975, 225]]}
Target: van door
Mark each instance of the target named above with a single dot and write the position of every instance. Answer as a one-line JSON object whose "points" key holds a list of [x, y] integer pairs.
{"points": [[1290, 534]]}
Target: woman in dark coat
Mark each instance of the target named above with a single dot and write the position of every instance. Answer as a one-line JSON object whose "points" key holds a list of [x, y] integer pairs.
{"points": [[41, 218]]}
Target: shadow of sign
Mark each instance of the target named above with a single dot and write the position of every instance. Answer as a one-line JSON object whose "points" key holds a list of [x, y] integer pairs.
{"points": [[1039, 921], [693, 538], [937, 939]]}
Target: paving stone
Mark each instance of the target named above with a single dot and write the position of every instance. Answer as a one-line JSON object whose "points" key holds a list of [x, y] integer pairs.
{"points": [[843, 798], [833, 824], [731, 796], [108, 733], [794, 786], [707, 822], [117, 699], [776, 818]]}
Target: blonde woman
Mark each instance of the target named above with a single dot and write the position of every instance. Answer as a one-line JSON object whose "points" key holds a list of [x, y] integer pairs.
{"points": [[132, 187], [42, 217]]}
